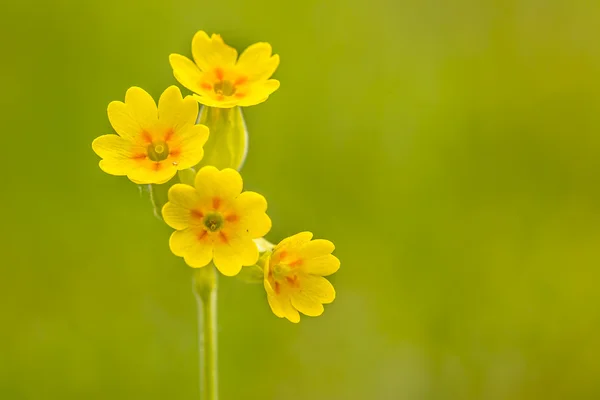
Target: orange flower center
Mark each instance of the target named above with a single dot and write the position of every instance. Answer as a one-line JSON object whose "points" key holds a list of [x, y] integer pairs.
{"points": [[158, 151], [224, 84], [281, 271], [284, 272], [225, 88]]}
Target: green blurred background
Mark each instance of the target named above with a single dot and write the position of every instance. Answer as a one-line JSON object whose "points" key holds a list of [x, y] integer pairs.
{"points": [[449, 149]]}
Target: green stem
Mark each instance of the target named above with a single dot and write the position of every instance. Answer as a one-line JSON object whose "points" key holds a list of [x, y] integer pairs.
{"points": [[205, 289]]}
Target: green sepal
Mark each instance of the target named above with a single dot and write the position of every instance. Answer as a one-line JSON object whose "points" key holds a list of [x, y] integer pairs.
{"points": [[227, 142], [252, 274]]}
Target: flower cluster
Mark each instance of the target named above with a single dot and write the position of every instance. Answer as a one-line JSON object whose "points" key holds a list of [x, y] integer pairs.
{"points": [[215, 221]]}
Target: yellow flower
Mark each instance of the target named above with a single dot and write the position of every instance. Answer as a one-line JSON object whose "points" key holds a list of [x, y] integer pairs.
{"points": [[215, 221], [293, 276], [152, 143], [218, 80]]}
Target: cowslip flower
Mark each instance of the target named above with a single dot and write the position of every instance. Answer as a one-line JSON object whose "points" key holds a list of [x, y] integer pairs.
{"points": [[216, 221], [294, 276], [152, 143], [219, 80]]}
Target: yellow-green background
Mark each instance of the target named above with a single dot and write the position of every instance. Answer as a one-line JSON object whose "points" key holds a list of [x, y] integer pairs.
{"points": [[450, 149]]}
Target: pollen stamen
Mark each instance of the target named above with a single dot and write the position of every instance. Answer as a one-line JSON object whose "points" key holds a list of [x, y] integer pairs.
{"points": [[213, 221]]}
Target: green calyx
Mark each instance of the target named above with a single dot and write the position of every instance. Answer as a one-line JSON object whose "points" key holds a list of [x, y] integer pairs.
{"points": [[227, 143], [255, 273]]}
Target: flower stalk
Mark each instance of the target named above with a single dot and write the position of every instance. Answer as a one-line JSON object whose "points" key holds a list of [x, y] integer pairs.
{"points": [[205, 289], [188, 160]]}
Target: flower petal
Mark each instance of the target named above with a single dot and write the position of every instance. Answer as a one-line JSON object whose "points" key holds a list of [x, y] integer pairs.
{"points": [[305, 304], [234, 250], [148, 171], [182, 242], [251, 207], [186, 146], [288, 310], [322, 266], [275, 305], [141, 108], [135, 119], [184, 196], [123, 122], [176, 112], [231, 183], [182, 200], [266, 271], [226, 259], [212, 52], [279, 302], [225, 184], [186, 72], [119, 155], [196, 252], [211, 102], [257, 63], [295, 241], [259, 93], [317, 288], [244, 246], [176, 217], [316, 248]]}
